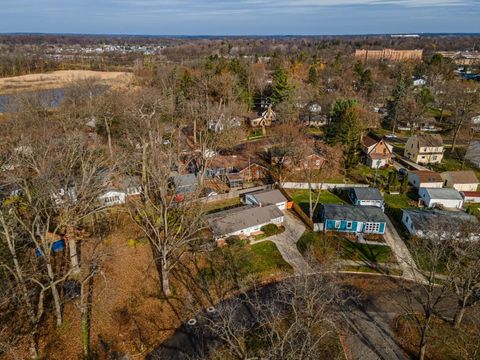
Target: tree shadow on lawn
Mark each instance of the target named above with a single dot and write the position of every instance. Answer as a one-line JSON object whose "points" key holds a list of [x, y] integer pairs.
{"points": [[364, 252]]}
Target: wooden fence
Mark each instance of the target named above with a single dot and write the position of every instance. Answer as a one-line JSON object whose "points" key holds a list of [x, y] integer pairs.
{"points": [[298, 210]]}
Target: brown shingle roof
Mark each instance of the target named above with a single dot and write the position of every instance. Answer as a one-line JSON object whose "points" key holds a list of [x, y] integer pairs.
{"points": [[462, 177], [430, 140], [367, 141], [428, 176]]}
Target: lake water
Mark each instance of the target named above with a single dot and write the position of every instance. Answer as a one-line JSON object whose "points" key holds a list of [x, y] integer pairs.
{"points": [[48, 98]]}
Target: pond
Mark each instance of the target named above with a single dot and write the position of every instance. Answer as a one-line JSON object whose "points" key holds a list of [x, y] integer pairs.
{"points": [[48, 98]]}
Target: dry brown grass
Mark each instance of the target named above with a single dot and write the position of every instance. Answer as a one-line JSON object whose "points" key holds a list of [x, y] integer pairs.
{"points": [[58, 79]]}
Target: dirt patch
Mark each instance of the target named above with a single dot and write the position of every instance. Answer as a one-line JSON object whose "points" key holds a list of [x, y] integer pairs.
{"points": [[59, 79], [129, 314]]}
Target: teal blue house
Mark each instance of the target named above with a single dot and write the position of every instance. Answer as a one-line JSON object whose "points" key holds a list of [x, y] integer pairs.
{"points": [[353, 219]]}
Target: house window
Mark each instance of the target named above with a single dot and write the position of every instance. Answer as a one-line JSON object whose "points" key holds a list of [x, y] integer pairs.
{"points": [[337, 224], [434, 157], [112, 199], [372, 227], [349, 225]]}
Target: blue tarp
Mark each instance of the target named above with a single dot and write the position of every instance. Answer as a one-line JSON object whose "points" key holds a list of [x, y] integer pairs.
{"points": [[57, 246]]}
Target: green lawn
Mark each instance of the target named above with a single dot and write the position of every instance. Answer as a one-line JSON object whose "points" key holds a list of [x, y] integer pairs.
{"points": [[315, 131], [267, 259], [451, 163], [324, 246], [366, 175], [436, 113], [401, 201], [473, 208], [237, 264], [255, 134], [301, 198]]}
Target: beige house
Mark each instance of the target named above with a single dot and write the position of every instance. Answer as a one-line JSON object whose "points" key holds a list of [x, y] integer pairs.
{"points": [[461, 180], [424, 149]]}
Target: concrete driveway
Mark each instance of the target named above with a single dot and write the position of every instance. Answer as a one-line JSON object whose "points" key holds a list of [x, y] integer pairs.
{"points": [[286, 244], [402, 254]]}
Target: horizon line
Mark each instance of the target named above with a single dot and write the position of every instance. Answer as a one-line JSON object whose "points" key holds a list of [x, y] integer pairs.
{"points": [[240, 35]]}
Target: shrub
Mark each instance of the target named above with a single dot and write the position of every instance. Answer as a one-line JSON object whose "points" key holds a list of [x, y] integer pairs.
{"points": [[270, 229], [235, 240]]}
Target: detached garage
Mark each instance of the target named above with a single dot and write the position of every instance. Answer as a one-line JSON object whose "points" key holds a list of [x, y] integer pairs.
{"points": [[448, 198], [267, 198]]}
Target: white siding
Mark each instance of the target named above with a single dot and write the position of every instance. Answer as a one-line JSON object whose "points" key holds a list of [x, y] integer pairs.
{"points": [[447, 203], [465, 187], [250, 230], [377, 163], [282, 205], [112, 198], [376, 203], [408, 223]]}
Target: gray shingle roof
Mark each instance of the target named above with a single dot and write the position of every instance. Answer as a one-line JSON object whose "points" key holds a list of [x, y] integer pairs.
{"points": [[443, 194], [269, 197], [185, 183], [233, 220], [367, 193], [434, 220], [473, 153], [353, 213]]}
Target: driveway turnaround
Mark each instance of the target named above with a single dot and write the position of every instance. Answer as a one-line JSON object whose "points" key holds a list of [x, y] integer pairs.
{"points": [[286, 243]]}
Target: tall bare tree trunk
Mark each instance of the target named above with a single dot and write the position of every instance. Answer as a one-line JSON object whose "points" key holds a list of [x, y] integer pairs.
{"points": [[86, 311], [423, 337], [459, 314], [72, 248], [23, 290], [144, 168], [55, 294], [456, 131], [195, 130], [109, 137], [165, 282]]}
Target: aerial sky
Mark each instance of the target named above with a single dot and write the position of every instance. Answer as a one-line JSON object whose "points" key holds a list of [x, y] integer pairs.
{"points": [[239, 17]]}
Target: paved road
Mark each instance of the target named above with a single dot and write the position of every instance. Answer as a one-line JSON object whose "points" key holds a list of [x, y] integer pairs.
{"points": [[371, 337], [402, 254], [286, 244], [367, 321]]}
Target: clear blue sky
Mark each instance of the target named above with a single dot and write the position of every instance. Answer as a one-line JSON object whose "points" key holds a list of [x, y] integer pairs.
{"points": [[239, 17]]}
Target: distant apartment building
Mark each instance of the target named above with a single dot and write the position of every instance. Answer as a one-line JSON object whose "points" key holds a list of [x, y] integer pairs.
{"points": [[462, 57], [389, 54]]}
